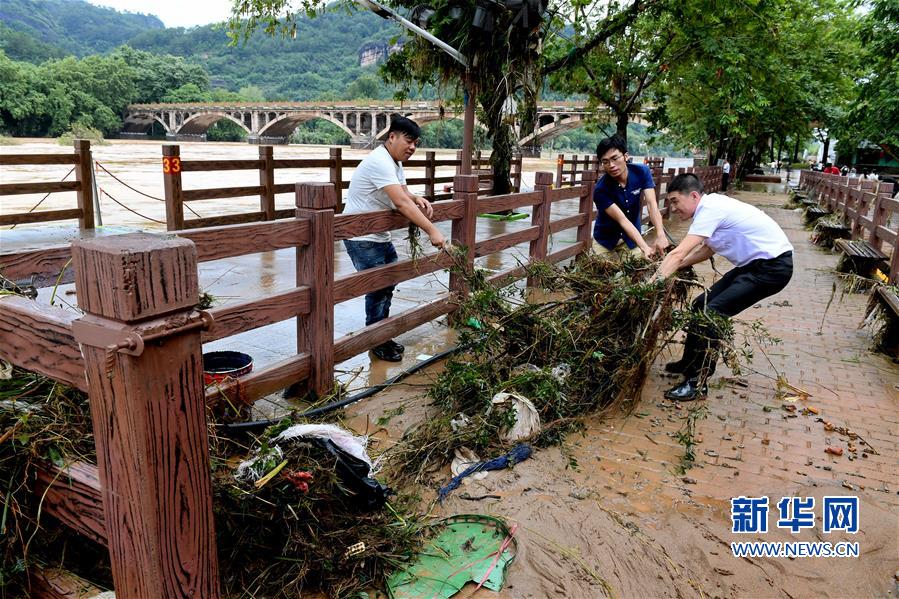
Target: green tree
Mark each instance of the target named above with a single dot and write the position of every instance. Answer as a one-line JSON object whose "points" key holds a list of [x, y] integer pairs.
{"points": [[22, 103], [189, 92], [369, 87], [251, 93], [617, 74], [319, 131], [736, 100], [157, 75], [92, 91], [873, 113]]}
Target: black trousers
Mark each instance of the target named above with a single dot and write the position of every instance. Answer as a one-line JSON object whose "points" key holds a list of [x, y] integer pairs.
{"points": [[737, 290]]}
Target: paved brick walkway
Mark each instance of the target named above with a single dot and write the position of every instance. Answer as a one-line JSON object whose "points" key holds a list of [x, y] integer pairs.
{"points": [[749, 439]]}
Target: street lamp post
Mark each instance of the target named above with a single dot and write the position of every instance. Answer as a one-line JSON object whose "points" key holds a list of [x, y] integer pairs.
{"points": [[468, 83]]}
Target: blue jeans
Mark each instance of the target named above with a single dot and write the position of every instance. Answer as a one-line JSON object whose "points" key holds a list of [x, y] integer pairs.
{"points": [[369, 254]]}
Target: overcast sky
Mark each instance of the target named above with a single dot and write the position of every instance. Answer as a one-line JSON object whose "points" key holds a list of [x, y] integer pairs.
{"points": [[175, 13]]}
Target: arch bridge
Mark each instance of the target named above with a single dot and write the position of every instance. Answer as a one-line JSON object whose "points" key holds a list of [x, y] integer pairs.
{"points": [[365, 123]]}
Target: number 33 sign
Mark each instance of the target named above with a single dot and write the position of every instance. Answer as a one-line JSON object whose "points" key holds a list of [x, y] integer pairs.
{"points": [[171, 165]]}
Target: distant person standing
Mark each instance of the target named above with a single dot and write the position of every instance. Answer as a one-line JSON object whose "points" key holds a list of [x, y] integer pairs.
{"points": [[379, 184], [620, 195], [725, 175]]}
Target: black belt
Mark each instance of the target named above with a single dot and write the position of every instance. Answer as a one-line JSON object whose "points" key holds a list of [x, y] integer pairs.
{"points": [[757, 261]]}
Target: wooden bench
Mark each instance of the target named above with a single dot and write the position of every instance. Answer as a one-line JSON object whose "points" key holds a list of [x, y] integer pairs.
{"points": [[807, 201], [828, 230], [813, 213], [887, 339], [859, 256], [889, 299]]}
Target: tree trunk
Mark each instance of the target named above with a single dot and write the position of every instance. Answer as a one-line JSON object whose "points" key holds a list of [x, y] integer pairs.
{"points": [[501, 159], [824, 158], [621, 120], [796, 151], [527, 111]]}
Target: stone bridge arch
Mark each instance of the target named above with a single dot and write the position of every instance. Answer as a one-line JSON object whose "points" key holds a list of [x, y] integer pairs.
{"points": [[282, 125], [141, 122], [198, 124], [551, 125]]}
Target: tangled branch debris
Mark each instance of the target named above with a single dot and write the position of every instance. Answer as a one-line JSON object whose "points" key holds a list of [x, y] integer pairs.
{"points": [[584, 349]]}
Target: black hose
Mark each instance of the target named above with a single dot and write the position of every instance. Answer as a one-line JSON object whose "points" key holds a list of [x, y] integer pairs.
{"points": [[244, 427]]}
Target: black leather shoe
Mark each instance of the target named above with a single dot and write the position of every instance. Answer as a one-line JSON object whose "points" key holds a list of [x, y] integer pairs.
{"points": [[397, 347], [387, 353], [675, 367], [687, 391]]}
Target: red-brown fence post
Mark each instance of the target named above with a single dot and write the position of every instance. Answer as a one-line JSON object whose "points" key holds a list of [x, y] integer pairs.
{"points": [[336, 176], [267, 182], [430, 173], [517, 166], [878, 218], [171, 176], [863, 208], [540, 217], [84, 174], [315, 268], [560, 166], [141, 344], [465, 188], [585, 230]]}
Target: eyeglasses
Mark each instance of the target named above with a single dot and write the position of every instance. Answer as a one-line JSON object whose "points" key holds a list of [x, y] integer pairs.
{"points": [[608, 161]]}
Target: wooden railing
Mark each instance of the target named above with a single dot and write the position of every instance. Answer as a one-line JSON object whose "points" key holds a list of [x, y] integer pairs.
{"points": [[267, 165], [83, 186], [137, 353], [866, 208]]}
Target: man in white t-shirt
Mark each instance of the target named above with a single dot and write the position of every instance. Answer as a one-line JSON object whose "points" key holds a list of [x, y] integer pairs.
{"points": [[725, 175], [751, 240], [378, 183]]}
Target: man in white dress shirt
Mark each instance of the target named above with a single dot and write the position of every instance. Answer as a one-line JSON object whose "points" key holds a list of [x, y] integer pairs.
{"points": [[751, 240]]}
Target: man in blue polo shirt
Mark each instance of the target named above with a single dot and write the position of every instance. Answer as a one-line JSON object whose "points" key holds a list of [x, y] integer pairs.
{"points": [[619, 196]]}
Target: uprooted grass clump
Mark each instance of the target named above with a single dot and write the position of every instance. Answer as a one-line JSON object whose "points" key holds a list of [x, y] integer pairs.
{"points": [[883, 323], [293, 533], [298, 524], [827, 230], [42, 423], [586, 348]]}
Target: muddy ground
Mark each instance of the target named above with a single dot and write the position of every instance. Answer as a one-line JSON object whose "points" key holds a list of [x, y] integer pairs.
{"points": [[609, 513]]}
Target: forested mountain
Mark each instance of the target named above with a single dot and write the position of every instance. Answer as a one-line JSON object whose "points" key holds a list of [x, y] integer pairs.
{"points": [[72, 26], [321, 63]]}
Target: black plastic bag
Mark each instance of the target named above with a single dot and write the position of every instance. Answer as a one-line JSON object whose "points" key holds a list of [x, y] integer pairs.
{"points": [[366, 492]]}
